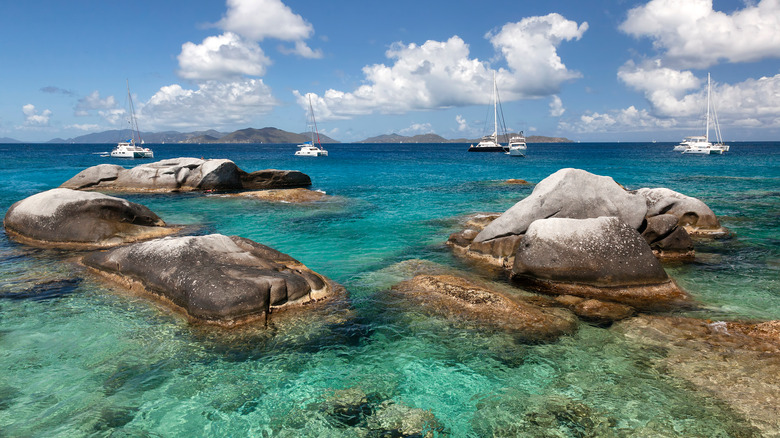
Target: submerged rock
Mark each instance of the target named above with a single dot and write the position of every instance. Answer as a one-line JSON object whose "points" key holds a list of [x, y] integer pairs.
{"points": [[398, 420], [455, 297], [370, 415], [596, 311], [183, 174], [294, 196], [516, 181], [65, 218], [602, 258], [215, 279], [541, 415], [738, 363]]}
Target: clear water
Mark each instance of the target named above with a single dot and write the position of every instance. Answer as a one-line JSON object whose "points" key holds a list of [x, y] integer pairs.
{"points": [[78, 358]]}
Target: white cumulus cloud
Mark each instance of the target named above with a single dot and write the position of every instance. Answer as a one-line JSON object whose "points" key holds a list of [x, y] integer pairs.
{"points": [[417, 128], [92, 102], [556, 106], [630, 119], [664, 88], [530, 49], [748, 104], [441, 74], [432, 75], [462, 124], [691, 34], [86, 127], [258, 20], [211, 105], [222, 57], [34, 119]]}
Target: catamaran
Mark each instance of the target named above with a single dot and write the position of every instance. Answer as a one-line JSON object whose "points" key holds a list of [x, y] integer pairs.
{"points": [[700, 144], [308, 149], [129, 149], [491, 143]]}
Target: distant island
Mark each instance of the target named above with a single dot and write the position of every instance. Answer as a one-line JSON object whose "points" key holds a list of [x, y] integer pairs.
{"points": [[266, 135]]}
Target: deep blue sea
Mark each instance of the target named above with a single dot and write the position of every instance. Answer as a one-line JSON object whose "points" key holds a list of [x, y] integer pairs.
{"points": [[82, 358]]}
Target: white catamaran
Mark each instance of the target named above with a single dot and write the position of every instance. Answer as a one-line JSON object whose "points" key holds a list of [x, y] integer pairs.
{"points": [[129, 149], [700, 144], [491, 143], [308, 149]]}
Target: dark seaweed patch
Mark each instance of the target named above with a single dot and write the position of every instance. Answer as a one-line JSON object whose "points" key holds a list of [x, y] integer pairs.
{"points": [[112, 418], [45, 291]]}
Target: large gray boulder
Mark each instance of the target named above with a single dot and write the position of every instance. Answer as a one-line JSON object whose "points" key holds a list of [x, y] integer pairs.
{"points": [[691, 213], [602, 258], [65, 218], [183, 174], [568, 193], [215, 279]]}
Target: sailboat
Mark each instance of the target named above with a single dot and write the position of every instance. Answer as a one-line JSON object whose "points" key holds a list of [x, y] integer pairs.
{"points": [[700, 144], [129, 149], [308, 149], [490, 143]]}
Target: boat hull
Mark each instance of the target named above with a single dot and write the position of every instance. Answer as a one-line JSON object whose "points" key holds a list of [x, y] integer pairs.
{"points": [[487, 149], [703, 151], [310, 151], [131, 154]]}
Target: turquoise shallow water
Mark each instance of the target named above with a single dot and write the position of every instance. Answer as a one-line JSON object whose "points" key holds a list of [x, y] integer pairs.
{"points": [[78, 358]]}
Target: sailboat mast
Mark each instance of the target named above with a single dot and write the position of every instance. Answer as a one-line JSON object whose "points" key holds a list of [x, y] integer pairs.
{"points": [[133, 122], [495, 108], [707, 128], [314, 122]]}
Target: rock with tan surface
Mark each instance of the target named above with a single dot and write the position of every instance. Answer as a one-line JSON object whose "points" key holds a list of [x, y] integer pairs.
{"points": [[458, 298], [737, 363]]}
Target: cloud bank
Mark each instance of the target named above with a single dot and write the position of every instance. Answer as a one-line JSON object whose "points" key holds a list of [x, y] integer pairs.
{"points": [[213, 103], [691, 34], [441, 74], [227, 69], [34, 119], [688, 35]]}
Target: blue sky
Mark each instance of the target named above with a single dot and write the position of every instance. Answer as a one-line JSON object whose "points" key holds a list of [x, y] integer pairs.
{"points": [[587, 70]]}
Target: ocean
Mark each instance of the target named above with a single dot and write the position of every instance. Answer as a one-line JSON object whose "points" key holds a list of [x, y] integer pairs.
{"points": [[79, 357]]}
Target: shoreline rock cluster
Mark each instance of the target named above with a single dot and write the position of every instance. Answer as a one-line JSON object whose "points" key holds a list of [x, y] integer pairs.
{"points": [[215, 279], [591, 248], [183, 175], [586, 237]]}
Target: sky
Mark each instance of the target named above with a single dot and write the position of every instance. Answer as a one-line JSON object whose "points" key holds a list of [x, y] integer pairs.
{"points": [[599, 70]]}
